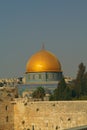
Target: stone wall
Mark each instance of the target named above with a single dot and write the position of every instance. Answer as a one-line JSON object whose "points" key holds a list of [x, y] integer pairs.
{"points": [[49, 115], [6, 115], [8, 92], [55, 115]]}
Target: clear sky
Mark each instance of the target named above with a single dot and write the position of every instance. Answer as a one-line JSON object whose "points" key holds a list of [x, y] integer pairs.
{"points": [[26, 24]]}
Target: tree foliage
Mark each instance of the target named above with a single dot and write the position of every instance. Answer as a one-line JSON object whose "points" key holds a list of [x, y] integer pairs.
{"points": [[77, 90], [81, 81], [74, 91], [62, 92], [39, 93]]}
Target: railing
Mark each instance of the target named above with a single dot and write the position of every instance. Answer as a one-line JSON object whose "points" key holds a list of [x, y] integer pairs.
{"points": [[78, 128]]}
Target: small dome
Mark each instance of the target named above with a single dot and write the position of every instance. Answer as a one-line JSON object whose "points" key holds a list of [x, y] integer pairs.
{"points": [[43, 61]]}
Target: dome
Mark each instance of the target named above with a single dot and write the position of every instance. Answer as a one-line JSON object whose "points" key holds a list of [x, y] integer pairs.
{"points": [[43, 61]]}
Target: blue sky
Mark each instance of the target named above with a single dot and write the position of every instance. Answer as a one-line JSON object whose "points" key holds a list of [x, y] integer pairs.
{"points": [[25, 25]]}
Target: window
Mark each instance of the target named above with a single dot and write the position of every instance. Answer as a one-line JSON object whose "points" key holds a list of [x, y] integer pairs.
{"points": [[50, 76], [39, 76], [29, 77]]}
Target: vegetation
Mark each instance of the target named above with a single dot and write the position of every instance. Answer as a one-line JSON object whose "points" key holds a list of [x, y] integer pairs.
{"points": [[39, 93], [62, 92], [74, 91], [77, 90]]}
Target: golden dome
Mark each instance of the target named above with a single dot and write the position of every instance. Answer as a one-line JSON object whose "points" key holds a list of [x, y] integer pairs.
{"points": [[43, 61]]}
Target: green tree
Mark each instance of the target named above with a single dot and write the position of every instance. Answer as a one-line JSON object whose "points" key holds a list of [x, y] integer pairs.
{"points": [[59, 92], [62, 92], [39, 93], [76, 90], [85, 84], [80, 81], [67, 93]]}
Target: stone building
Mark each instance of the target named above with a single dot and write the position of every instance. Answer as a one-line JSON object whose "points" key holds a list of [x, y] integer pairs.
{"points": [[8, 93], [42, 69]]}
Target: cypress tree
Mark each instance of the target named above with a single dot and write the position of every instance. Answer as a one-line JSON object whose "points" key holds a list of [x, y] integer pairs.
{"points": [[79, 82]]}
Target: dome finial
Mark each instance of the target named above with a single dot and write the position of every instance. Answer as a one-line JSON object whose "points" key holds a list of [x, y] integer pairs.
{"points": [[43, 46]]}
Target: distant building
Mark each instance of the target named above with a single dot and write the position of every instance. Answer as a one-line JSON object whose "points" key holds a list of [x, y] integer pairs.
{"points": [[68, 80], [8, 93], [10, 82], [43, 69]]}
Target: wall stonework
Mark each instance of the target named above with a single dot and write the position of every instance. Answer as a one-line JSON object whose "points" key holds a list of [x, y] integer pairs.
{"points": [[42, 115], [6, 115]]}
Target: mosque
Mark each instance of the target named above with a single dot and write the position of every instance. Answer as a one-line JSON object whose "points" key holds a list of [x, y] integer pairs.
{"points": [[42, 69]]}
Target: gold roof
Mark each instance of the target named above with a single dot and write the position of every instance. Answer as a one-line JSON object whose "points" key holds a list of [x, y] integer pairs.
{"points": [[43, 61]]}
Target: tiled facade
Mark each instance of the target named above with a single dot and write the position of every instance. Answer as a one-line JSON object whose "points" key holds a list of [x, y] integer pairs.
{"points": [[43, 77]]}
